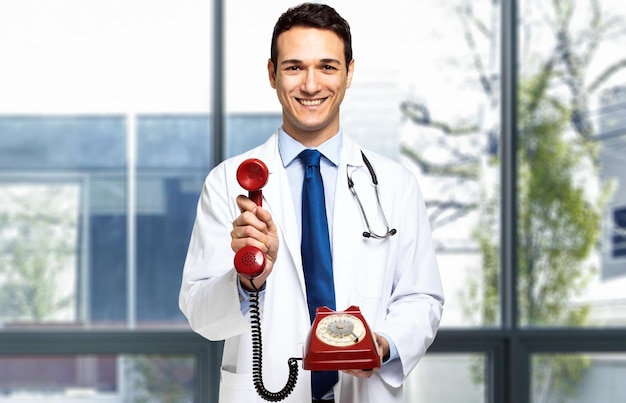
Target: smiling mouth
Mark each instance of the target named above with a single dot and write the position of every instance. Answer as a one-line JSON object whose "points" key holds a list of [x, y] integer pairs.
{"points": [[311, 102]]}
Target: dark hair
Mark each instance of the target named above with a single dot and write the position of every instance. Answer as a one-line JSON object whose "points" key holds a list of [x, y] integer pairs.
{"points": [[312, 15]]}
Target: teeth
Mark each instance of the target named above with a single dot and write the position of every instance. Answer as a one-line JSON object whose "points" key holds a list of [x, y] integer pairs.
{"points": [[310, 102]]}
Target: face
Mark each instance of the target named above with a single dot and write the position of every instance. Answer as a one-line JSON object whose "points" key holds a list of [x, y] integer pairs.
{"points": [[310, 80]]}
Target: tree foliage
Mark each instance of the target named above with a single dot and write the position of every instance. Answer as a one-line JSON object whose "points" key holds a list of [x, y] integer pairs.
{"points": [[165, 379], [38, 238]]}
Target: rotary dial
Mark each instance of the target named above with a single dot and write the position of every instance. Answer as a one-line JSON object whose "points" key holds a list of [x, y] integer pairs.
{"points": [[340, 330]]}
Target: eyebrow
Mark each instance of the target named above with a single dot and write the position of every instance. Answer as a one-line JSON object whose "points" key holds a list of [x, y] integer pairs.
{"points": [[298, 61]]}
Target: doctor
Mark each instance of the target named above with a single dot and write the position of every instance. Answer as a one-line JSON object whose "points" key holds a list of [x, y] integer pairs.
{"points": [[390, 273]]}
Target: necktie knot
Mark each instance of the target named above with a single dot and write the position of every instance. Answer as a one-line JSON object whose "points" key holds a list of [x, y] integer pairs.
{"points": [[310, 157]]}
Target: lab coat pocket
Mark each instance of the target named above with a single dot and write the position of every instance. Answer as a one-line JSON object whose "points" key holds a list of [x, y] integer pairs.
{"points": [[236, 387]]}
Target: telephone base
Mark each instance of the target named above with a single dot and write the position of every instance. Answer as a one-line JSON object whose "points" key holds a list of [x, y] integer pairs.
{"points": [[340, 341]]}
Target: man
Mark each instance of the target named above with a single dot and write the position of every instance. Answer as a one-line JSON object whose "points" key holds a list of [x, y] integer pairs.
{"points": [[390, 274]]}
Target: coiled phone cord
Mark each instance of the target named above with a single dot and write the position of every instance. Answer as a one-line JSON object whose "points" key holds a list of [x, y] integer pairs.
{"points": [[257, 356]]}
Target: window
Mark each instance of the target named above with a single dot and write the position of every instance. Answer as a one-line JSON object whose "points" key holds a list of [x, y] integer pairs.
{"points": [[102, 378], [105, 140], [569, 163], [80, 215], [578, 377], [465, 371]]}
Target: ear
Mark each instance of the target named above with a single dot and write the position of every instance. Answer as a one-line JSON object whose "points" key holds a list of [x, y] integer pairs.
{"points": [[350, 73], [271, 72]]}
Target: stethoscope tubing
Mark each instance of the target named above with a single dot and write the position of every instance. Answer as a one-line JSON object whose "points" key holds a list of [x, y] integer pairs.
{"points": [[370, 233]]}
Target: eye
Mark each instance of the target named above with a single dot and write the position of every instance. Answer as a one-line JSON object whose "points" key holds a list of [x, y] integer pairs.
{"points": [[292, 68], [328, 67]]}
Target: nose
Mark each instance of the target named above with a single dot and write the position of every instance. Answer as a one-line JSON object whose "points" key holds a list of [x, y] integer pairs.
{"points": [[310, 83]]}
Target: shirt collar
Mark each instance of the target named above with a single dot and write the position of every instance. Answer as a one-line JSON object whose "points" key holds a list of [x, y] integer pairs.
{"points": [[289, 148]]}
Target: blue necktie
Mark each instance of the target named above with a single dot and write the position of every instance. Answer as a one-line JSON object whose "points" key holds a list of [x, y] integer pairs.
{"points": [[316, 255]]}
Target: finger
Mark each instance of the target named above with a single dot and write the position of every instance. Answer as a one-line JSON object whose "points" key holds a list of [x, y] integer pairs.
{"points": [[245, 204], [237, 244], [382, 346], [266, 217], [359, 373], [248, 218], [238, 241], [249, 230], [249, 225]]}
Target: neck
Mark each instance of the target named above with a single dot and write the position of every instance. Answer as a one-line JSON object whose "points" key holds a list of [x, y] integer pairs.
{"points": [[312, 138]]}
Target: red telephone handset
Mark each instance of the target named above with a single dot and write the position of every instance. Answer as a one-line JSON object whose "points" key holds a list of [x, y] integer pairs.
{"points": [[252, 175]]}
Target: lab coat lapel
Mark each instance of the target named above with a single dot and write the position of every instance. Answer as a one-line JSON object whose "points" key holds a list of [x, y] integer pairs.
{"points": [[345, 227], [277, 199]]}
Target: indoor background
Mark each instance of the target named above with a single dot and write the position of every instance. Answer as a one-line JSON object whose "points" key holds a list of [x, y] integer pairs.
{"points": [[512, 114]]}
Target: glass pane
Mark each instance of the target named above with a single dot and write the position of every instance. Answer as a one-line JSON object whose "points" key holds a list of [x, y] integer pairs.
{"points": [[97, 378], [108, 57], [414, 100], [571, 177], [578, 378], [435, 373], [173, 157], [63, 213], [39, 232]]}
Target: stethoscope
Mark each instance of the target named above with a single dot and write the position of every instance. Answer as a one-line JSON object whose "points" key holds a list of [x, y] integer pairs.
{"points": [[370, 233]]}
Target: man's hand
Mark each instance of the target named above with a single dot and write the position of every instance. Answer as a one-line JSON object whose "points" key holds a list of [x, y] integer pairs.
{"points": [[255, 227], [383, 351]]}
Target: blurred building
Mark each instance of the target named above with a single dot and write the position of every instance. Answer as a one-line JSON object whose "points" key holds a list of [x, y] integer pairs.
{"points": [[612, 133]]}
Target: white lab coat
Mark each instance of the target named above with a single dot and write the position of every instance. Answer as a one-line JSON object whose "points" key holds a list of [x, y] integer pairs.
{"points": [[394, 281]]}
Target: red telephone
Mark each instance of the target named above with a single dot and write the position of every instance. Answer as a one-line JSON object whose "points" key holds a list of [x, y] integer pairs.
{"points": [[339, 341], [252, 175]]}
